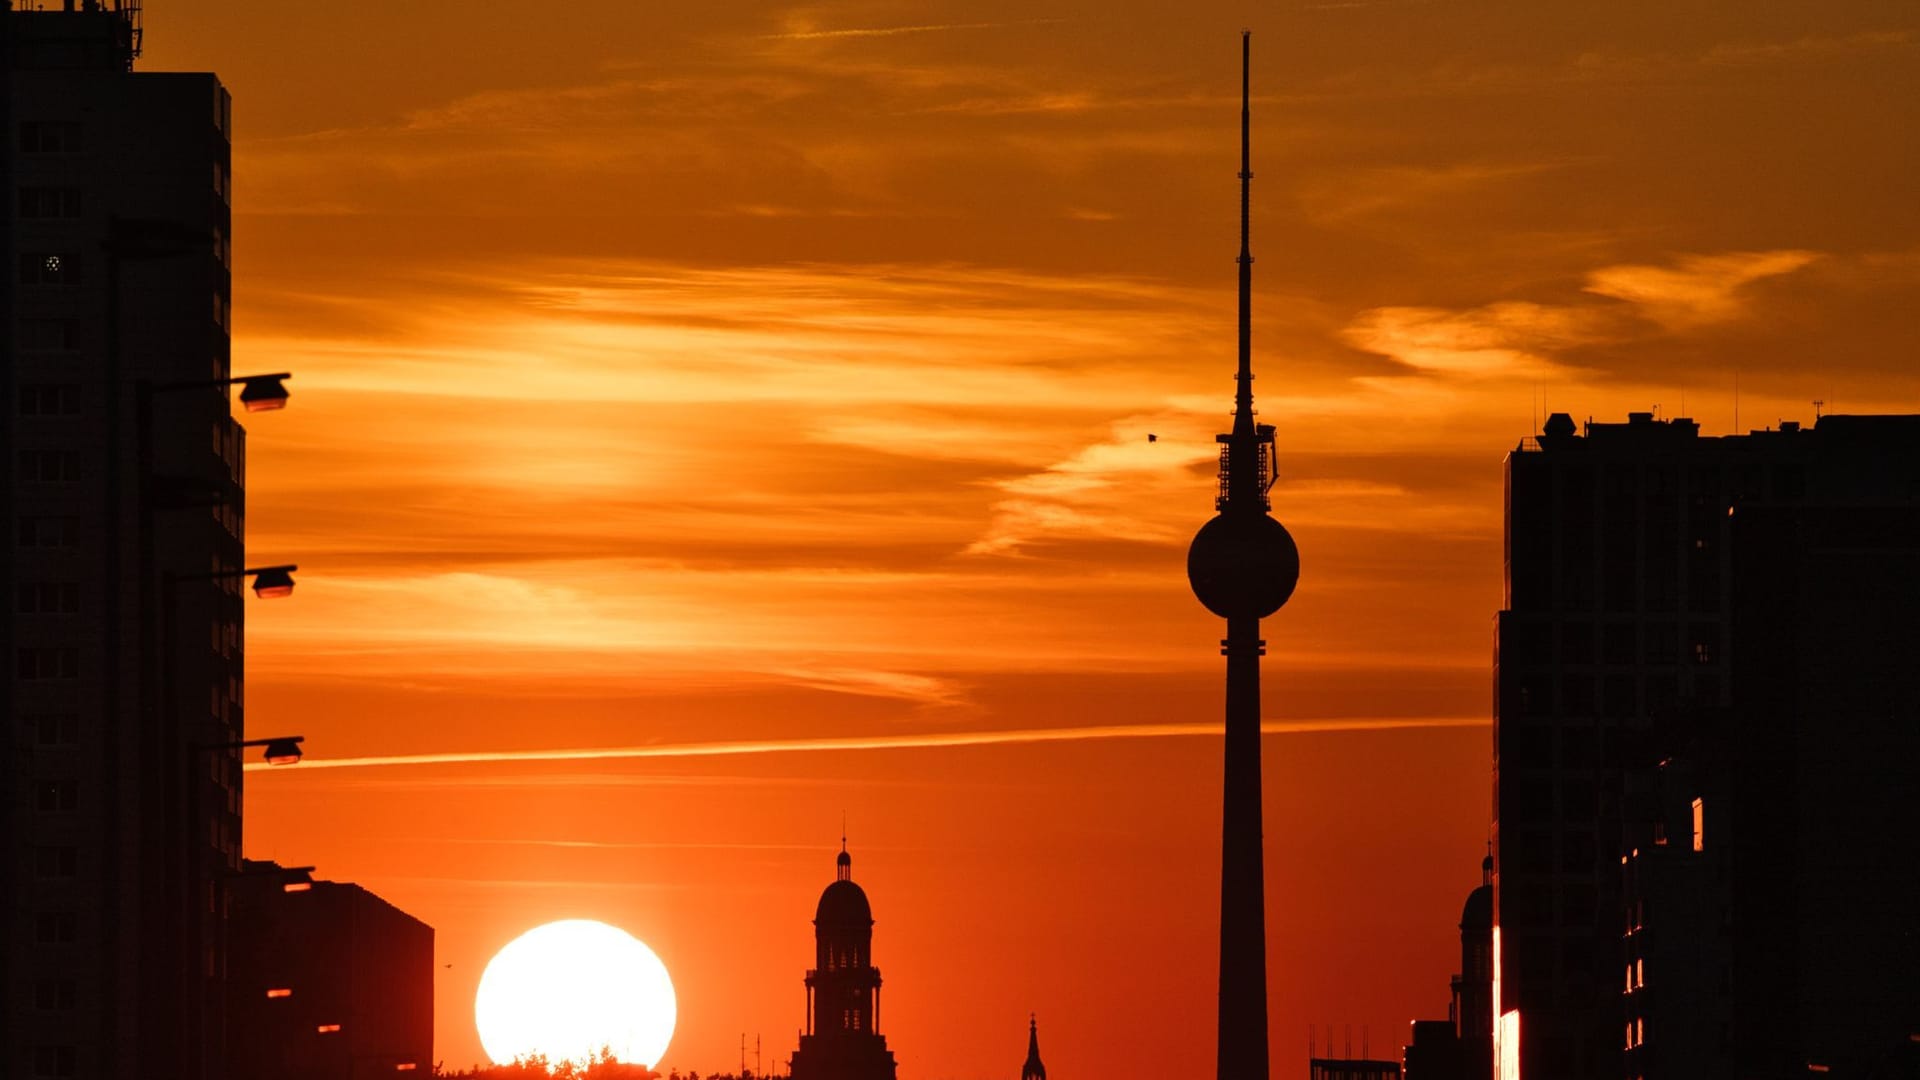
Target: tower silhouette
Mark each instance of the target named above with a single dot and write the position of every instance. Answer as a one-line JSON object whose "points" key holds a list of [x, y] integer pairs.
{"points": [[1033, 1070], [843, 1040], [1243, 566]]}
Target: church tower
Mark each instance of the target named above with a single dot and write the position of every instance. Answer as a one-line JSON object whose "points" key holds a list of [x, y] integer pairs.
{"points": [[1033, 1070], [842, 1040]]}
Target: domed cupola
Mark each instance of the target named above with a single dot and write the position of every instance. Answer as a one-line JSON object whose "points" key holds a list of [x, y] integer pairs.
{"points": [[843, 905]]}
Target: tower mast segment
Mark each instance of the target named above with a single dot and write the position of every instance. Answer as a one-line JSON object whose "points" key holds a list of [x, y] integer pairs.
{"points": [[1243, 567], [1243, 382]]}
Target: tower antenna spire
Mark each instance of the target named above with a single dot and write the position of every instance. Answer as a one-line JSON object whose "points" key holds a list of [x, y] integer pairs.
{"points": [[1243, 395]]}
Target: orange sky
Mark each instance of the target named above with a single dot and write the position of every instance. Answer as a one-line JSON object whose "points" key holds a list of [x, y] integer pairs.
{"points": [[737, 375]]}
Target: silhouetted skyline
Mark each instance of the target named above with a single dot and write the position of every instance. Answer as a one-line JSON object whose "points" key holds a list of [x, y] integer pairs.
{"points": [[713, 418]]}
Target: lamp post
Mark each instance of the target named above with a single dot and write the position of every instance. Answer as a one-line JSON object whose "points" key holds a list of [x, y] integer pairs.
{"points": [[159, 661]]}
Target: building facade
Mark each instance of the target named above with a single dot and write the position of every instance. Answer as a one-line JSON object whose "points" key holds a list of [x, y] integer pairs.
{"points": [[327, 981], [1650, 618], [842, 1040], [124, 545]]}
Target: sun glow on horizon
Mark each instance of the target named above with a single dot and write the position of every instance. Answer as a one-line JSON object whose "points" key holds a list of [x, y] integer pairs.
{"points": [[569, 990]]}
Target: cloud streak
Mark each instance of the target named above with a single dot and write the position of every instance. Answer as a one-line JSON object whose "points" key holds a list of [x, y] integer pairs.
{"points": [[919, 741], [895, 31]]}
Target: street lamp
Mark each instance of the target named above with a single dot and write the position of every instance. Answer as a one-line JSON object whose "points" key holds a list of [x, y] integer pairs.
{"points": [[279, 750]]}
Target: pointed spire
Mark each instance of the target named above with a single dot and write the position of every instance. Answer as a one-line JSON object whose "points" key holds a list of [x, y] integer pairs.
{"points": [[1033, 1070], [1243, 397]]}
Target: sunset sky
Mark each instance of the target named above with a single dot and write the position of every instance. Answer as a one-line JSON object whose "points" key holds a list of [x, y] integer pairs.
{"points": [[769, 386]]}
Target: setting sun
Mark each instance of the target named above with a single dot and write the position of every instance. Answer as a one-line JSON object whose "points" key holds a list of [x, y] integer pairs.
{"points": [[568, 990]]}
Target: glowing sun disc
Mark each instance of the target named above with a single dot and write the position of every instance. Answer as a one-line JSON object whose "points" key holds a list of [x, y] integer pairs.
{"points": [[569, 989]]}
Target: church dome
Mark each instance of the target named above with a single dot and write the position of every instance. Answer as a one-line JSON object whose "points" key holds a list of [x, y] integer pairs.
{"points": [[1478, 913], [843, 904]]}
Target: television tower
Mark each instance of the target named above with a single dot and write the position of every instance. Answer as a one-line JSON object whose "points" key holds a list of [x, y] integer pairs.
{"points": [[1243, 566]]}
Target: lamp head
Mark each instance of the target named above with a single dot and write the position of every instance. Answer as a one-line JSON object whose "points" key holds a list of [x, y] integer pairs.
{"points": [[284, 751], [272, 582], [260, 393]]}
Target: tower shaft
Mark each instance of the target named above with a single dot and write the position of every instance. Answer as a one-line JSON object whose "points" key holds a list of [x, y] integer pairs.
{"points": [[1243, 918]]}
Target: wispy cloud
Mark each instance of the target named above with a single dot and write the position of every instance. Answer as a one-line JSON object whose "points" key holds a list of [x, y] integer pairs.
{"points": [[920, 741], [1510, 339], [1700, 290]]}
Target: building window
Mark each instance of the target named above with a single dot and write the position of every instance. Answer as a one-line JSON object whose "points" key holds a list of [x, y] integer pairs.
{"points": [[1699, 825], [1705, 639], [49, 532], [49, 202], [53, 995], [55, 729], [49, 137], [49, 335], [49, 399], [49, 598], [55, 927], [56, 796], [37, 663], [49, 466], [56, 861], [54, 1062], [49, 268]]}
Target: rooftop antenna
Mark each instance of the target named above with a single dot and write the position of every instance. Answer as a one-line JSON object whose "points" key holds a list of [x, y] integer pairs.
{"points": [[1817, 402]]}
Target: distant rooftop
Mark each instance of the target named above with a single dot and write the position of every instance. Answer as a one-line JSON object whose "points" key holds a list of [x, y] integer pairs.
{"points": [[75, 34], [1643, 431]]}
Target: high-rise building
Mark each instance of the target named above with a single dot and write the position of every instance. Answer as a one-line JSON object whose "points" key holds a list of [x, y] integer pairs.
{"points": [[1657, 580], [122, 485], [842, 1040], [1772, 857], [328, 981]]}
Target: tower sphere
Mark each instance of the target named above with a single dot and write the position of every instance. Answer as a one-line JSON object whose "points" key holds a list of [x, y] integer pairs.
{"points": [[1243, 565]]}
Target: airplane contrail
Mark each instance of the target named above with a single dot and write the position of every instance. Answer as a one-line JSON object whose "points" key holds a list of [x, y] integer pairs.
{"points": [[890, 31], [917, 741]]}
